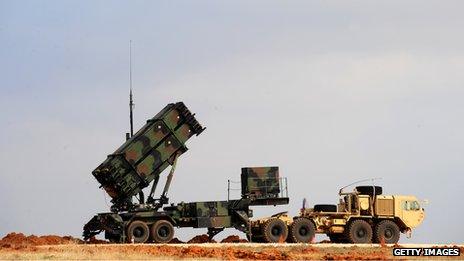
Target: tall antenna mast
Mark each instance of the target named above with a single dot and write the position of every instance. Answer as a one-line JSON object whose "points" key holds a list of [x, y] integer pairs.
{"points": [[131, 103]]}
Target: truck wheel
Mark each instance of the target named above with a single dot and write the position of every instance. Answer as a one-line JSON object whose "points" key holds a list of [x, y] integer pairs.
{"points": [[302, 230], [137, 231], [162, 231], [359, 231], [274, 231], [369, 190], [325, 208], [387, 231]]}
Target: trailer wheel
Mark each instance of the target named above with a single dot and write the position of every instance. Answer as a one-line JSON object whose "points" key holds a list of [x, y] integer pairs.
{"points": [[137, 231], [162, 231], [359, 231], [302, 230], [387, 231], [274, 231], [325, 208]]}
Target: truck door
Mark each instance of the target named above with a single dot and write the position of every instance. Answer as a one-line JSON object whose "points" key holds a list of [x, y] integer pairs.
{"points": [[411, 213]]}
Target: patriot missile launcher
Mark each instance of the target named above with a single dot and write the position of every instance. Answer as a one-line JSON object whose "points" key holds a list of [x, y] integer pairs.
{"points": [[141, 160]]}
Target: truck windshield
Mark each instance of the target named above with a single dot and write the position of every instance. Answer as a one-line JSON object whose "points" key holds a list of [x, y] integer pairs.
{"points": [[411, 205], [415, 205]]}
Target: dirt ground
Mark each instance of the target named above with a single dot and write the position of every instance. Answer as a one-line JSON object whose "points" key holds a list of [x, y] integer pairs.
{"points": [[19, 246]]}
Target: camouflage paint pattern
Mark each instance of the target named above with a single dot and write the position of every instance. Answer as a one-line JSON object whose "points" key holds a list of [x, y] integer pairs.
{"points": [[146, 141], [260, 182], [150, 151], [203, 214], [157, 156], [211, 208], [172, 119], [183, 133]]}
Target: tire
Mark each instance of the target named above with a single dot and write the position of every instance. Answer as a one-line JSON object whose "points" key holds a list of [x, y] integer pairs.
{"points": [[386, 231], [274, 231], [359, 232], [302, 230], [137, 231], [325, 208], [162, 231], [369, 190]]}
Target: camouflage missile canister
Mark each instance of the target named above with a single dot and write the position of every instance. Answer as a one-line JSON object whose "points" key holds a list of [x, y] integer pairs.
{"points": [[260, 182], [145, 155]]}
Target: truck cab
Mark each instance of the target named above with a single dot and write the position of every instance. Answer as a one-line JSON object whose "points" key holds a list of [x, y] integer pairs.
{"points": [[364, 215], [409, 211]]}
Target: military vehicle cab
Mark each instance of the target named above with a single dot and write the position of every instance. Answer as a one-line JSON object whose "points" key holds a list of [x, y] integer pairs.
{"points": [[361, 216]]}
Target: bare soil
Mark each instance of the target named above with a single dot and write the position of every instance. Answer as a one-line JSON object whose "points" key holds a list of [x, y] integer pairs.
{"points": [[19, 246], [234, 239], [201, 239], [19, 240]]}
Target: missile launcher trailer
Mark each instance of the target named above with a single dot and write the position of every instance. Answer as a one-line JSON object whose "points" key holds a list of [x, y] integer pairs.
{"points": [[147, 224], [141, 160]]}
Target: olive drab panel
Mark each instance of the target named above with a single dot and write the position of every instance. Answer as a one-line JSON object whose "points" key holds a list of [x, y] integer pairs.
{"points": [[208, 214], [211, 208], [260, 182], [150, 151]]}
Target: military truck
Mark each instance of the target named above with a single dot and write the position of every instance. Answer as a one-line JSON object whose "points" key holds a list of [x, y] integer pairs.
{"points": [[362, 216], [141, 160]]}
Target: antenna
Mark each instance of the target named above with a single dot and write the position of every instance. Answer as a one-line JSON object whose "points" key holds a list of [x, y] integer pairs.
{"points": [[131, 103], [364, 180], [131, 116]]}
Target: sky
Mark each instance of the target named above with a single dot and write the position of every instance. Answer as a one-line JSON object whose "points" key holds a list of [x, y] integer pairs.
{"points": [[332, 92]]}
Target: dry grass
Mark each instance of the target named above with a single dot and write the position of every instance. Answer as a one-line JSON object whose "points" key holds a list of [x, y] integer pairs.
{"points": [[196, 251]]}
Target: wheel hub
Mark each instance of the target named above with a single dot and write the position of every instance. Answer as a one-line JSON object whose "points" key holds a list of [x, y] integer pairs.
{"points": [[303, 231], [388, 233], [276, 231], [138, 232], [163, 231]]}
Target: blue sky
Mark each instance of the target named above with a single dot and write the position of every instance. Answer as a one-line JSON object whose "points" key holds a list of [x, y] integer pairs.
{"points": [[330, 91]]}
